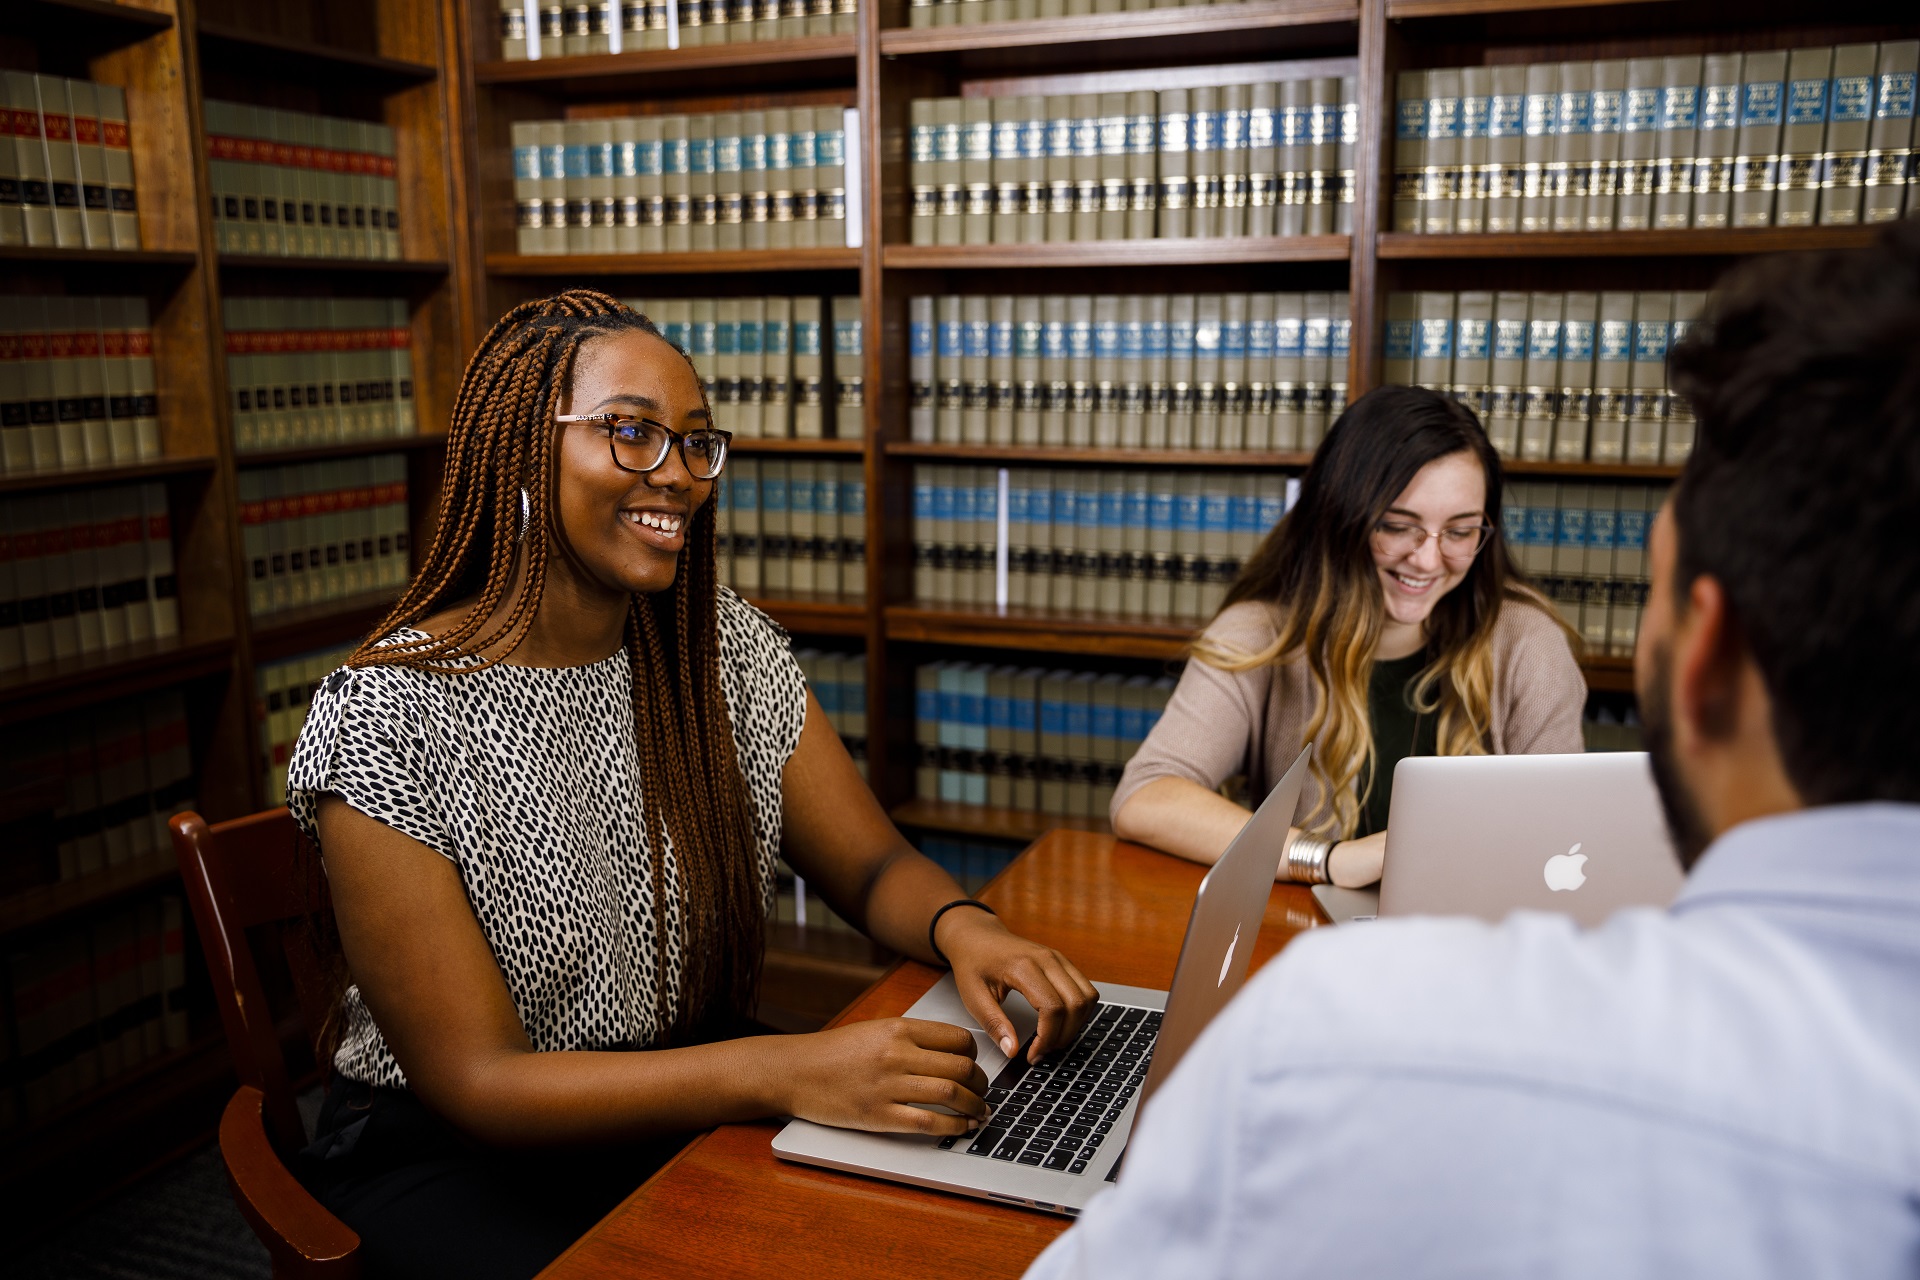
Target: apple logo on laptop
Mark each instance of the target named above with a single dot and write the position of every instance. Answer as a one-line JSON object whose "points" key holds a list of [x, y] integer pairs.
{"points": [[1563, 870], [1226, 961]]}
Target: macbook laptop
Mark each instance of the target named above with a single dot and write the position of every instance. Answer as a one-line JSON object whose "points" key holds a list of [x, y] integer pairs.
{"points": [[1488, 835], [1058, 1129]]}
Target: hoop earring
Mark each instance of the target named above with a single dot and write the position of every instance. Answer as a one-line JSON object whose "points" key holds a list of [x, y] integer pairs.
{"points": [[526, 513]]}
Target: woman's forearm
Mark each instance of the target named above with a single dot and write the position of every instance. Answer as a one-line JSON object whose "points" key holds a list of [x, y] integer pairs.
{"points": [[901, 901], [1181, 817]]}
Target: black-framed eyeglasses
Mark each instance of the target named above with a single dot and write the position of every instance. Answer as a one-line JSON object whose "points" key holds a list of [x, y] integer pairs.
{"points": [[641, 444], [1458, 542]]}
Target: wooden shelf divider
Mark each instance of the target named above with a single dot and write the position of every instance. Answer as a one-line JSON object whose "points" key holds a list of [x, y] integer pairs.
{"points": [[1227, 251], [39, 253], [246, 262], [783, 444], [1232, 22], [224, 42], [829, 53], [1406, 246], [814, 615], [1015, 628], [27, 692], [42, 903], [719, 262], [92, 477], [1053, 455], [340, 449]]}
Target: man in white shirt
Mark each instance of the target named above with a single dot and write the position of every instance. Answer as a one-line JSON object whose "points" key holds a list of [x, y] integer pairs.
{"points": [[1730, 1087]]}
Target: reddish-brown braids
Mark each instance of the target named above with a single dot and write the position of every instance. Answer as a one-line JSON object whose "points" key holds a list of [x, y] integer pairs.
{"points": [[692, 792]]}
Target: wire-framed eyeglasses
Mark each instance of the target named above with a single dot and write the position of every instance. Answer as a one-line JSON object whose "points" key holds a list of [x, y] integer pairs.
{"points": [[1459, 542], [641, 444]]}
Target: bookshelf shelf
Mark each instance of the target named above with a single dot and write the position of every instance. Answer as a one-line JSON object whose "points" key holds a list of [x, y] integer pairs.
{"points": [[806, 59], [1405, 246], [821, 945], [986, 821], [343, 449], [1036, 455], [1228, 251], [1608, 674], [1222, 30], [38, 905], [154, 470], [1038, 631], [1588, 470], [53, 687], [260, 53], [94, 23], [811, 974], [718, 262], [781, 445], [1400, 10], [385, 267], [291, 631], [32, 254], [814, 615]]}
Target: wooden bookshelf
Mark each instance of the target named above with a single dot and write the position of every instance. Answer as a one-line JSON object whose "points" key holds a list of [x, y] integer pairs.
{"points": [[38, 905], [1589, 470], [393, 267], [814, 615], [1219, 31], [315, 626], [262, 52], [1400, 245], [1224, 251], [1054, 455], [800, 448], [800, 60], [96, 23], [1039, 631], [93, 477], [574, 267], [341, 449], [986, 821], [29, 255], [89, 679]]}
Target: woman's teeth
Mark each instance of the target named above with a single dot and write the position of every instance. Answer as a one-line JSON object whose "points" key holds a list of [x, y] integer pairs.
{"points": [[1412, 583], [656, 520]]}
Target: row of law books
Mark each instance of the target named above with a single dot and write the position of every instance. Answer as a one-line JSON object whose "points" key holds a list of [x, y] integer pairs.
{"points": [[793, 527], [1215, 161], [772, 179], [90, 1002], [1215, 371], [293, 184], [66, 164], [1567, 377], [539, 29], [319, 531], [308, 371], [1774, 138], [964, 13], [839, 684], [1142, 545], [1585, 546], [1609, 728], [283, 691], [85, 571], [110, 781], [764, 365], [1040, 741], [76, 384]]}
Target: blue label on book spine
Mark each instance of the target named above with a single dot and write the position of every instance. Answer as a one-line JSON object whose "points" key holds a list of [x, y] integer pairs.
{"points": [[1852, 98], [1807, 102], [1719, 106], [1760, 103], [1895, 97]]}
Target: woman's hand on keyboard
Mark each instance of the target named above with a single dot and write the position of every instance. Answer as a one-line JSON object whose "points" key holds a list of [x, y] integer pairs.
{"points": [[882, 1075], [989, 961]]}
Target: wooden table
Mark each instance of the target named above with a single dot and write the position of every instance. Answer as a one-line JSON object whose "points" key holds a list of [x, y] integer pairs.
{"points": [[726, 1207]]}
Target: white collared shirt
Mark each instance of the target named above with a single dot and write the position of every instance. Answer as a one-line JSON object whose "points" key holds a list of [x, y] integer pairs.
{"points": [[1727, 1088]]}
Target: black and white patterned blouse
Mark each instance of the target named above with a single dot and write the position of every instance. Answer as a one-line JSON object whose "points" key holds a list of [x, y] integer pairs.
{"points": [[527, 779]]}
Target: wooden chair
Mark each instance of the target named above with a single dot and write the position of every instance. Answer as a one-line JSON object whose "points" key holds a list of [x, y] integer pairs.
{"points": [[253, 895]]}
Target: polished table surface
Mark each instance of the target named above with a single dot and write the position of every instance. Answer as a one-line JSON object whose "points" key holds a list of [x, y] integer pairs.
{"points": [[727, 1206]]}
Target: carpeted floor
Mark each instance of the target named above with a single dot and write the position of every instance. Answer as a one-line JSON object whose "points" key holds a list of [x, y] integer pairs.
{"points": [[179, 1223]]}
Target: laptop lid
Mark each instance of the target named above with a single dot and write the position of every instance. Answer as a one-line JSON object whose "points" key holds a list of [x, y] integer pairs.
{"points": [[1488, 835], [1226, 918]]}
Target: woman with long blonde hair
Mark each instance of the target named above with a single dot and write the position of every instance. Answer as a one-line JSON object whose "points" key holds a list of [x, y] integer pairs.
{"points": [[1381, 618]]}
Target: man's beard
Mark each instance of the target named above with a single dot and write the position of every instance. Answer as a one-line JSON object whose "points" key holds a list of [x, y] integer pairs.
{"points": [[1684, 823]]}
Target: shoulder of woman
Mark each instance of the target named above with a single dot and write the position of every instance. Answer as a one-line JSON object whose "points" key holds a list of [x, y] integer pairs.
{"points": [[745, 629], [1526, 634], [1248, 627]]}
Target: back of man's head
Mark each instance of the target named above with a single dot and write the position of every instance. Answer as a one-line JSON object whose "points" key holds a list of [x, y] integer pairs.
{"points": [[1802, 498]]}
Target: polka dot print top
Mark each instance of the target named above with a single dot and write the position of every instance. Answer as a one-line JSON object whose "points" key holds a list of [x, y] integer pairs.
{"points": [[528, 780]]}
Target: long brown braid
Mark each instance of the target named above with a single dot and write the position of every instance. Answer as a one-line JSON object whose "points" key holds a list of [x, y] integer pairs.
{"points": [[692, 792]]}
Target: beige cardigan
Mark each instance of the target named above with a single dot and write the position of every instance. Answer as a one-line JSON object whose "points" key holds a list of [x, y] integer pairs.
{"points": [[1220, 723]]}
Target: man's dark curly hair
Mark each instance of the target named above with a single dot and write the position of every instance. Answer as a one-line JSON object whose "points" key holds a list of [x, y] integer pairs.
{"points": [[1802, 498]]}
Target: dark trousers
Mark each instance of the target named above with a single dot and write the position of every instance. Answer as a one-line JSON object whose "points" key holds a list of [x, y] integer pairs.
{"points": [[428, 1202]]}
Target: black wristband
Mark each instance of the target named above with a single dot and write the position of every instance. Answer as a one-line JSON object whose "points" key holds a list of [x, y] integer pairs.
{"points": [[935, 923]]}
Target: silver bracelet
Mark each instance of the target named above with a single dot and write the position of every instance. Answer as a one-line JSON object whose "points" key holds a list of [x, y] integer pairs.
{"points": [[1307, 858]]}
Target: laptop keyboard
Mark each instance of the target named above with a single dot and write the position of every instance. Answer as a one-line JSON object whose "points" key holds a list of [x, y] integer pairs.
{"points": [[1055, 1115]]}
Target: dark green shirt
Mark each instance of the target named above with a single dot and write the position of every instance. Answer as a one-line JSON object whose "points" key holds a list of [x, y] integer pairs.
{"points": [[1398, 732]]}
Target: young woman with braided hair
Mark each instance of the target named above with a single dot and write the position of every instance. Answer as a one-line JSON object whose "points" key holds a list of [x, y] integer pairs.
{"points": [[549, 794]]}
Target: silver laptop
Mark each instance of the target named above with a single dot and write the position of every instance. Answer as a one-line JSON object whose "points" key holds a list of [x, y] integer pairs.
{"points": [[1488, 835], [1058, 1130]]}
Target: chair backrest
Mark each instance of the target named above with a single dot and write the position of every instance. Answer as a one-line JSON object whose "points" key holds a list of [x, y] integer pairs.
{"points": [[256, 890]]}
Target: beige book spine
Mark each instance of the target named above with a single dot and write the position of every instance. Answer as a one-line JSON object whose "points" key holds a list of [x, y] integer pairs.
{"points": [[1756, 165], [1797, 198], [1647, 413], [976, 170], [1476, 101], [1612, 378], [1506, 149], [1007, 170], [1174, 160], [1113, 166], [1843, 153], [1674, 159], [1889, 143], [1721, 161], [1537, 146], [1574, 406], [923, 171], [1263, 159], [1570, 174]]}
